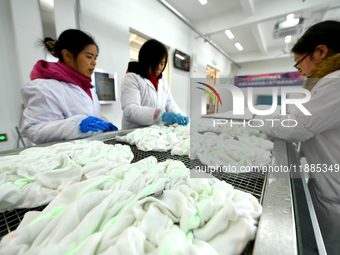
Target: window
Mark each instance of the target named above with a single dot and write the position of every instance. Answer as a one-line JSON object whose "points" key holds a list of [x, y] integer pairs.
{"points": [[212, 74]]}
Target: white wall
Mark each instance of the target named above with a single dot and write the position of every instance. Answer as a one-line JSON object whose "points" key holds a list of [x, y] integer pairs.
{"points": [[279, 65], [28, 31], [9, 88], [18, 53], [64, 14], [204, 54]]}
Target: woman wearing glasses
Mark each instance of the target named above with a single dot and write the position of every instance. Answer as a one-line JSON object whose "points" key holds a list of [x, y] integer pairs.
{"points": [[317, 56]]}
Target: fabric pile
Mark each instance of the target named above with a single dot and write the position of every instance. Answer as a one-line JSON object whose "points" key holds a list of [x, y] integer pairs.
{"points": [[232, 130], [226, 145], [37, 175], [110, 215], [231, 146], [160, 138]]}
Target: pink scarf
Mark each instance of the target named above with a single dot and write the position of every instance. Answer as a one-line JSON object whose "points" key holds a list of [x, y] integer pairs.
{"points": [[61, 72]]}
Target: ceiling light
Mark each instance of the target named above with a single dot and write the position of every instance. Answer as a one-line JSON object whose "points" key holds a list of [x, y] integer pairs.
{"points": [[229, 34], [288, 38], [203, 2], [290, 16], [179, 56], [289, 23], [238, 46]]}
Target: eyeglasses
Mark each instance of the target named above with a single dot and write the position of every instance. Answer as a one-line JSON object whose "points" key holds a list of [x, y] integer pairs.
{"points": [[296, 65]]}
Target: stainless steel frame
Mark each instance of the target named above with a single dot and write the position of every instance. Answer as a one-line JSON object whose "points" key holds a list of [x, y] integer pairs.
{"points": [[306, 216], [276, 233]]}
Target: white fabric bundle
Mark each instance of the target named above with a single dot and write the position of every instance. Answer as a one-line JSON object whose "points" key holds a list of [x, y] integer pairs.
{"points": [[223, 150], [37, 175], [237, 130], [181, 148], [158, 138], [232, 130], [217, 147], [103, 215]]}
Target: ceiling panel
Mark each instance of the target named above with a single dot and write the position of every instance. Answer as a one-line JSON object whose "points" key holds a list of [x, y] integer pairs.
{"points": [[193, 10], [253, 31], [242, 35]]}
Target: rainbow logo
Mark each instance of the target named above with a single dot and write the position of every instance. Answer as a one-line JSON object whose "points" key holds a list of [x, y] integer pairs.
{"points": [[209, 93]]}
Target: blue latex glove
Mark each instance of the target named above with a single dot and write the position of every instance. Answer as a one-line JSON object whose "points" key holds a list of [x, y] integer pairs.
{"points": [[94, 124], [169, 117], [87, 124], [111, 127], [182, 120], [102, 125]]}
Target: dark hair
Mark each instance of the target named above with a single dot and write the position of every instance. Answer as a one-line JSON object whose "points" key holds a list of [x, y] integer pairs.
{"points": [[323, 33], [73, 40], [151, 53]]}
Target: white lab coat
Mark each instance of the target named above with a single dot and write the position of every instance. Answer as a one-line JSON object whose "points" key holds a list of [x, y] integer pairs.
{"points": [[140, 100], [54, 110], [320, 137]]}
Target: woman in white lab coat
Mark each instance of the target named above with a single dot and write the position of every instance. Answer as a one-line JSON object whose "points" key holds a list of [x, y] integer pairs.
{"points": [[317, 56], [60, 102], [145, 95]]}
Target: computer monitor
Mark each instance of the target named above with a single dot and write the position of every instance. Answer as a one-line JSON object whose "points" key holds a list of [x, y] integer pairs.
{"points": [[181, 60], [105, 84]]}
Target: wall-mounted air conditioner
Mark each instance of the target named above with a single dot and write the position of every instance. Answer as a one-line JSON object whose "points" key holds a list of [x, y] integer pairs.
{"points": [[288, 27]]}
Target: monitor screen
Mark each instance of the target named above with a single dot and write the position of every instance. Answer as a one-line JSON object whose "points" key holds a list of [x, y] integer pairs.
{"points": [[105, 85], [181, 61]]}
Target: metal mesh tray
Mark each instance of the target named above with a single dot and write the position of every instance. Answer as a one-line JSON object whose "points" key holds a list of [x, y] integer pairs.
{"points": [[9, 221], [249, 182]]}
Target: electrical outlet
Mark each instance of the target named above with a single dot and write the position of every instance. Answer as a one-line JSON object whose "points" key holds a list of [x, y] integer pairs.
{"points": [[3, 137]]}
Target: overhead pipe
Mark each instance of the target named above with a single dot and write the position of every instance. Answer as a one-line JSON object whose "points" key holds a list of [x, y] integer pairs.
{"points": [[77, 11], [206, 39]]}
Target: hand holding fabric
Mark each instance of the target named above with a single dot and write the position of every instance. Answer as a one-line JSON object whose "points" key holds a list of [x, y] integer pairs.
{"points": [[111, 127], [182, 120], [94, 124], [169, 117]]}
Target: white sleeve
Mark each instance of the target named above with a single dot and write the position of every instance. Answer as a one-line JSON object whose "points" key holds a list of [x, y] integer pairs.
{"points": [[171, 105], [131, 103], [273, 126], [44, 119], [324, 107]]}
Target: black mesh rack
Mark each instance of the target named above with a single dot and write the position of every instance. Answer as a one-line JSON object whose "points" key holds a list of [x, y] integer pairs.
{"points": [[249, 182], [252, 182], [9, 221]]}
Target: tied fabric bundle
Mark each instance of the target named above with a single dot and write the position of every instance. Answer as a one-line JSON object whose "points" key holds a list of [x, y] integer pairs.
{"points": [[223, 150], [231, 146], [156, 138], [103, 215], [37, 175], [225, 146]]}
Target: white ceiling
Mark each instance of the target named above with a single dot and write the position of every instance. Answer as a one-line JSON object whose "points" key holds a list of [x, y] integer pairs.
{"points": [[252, 23]]}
